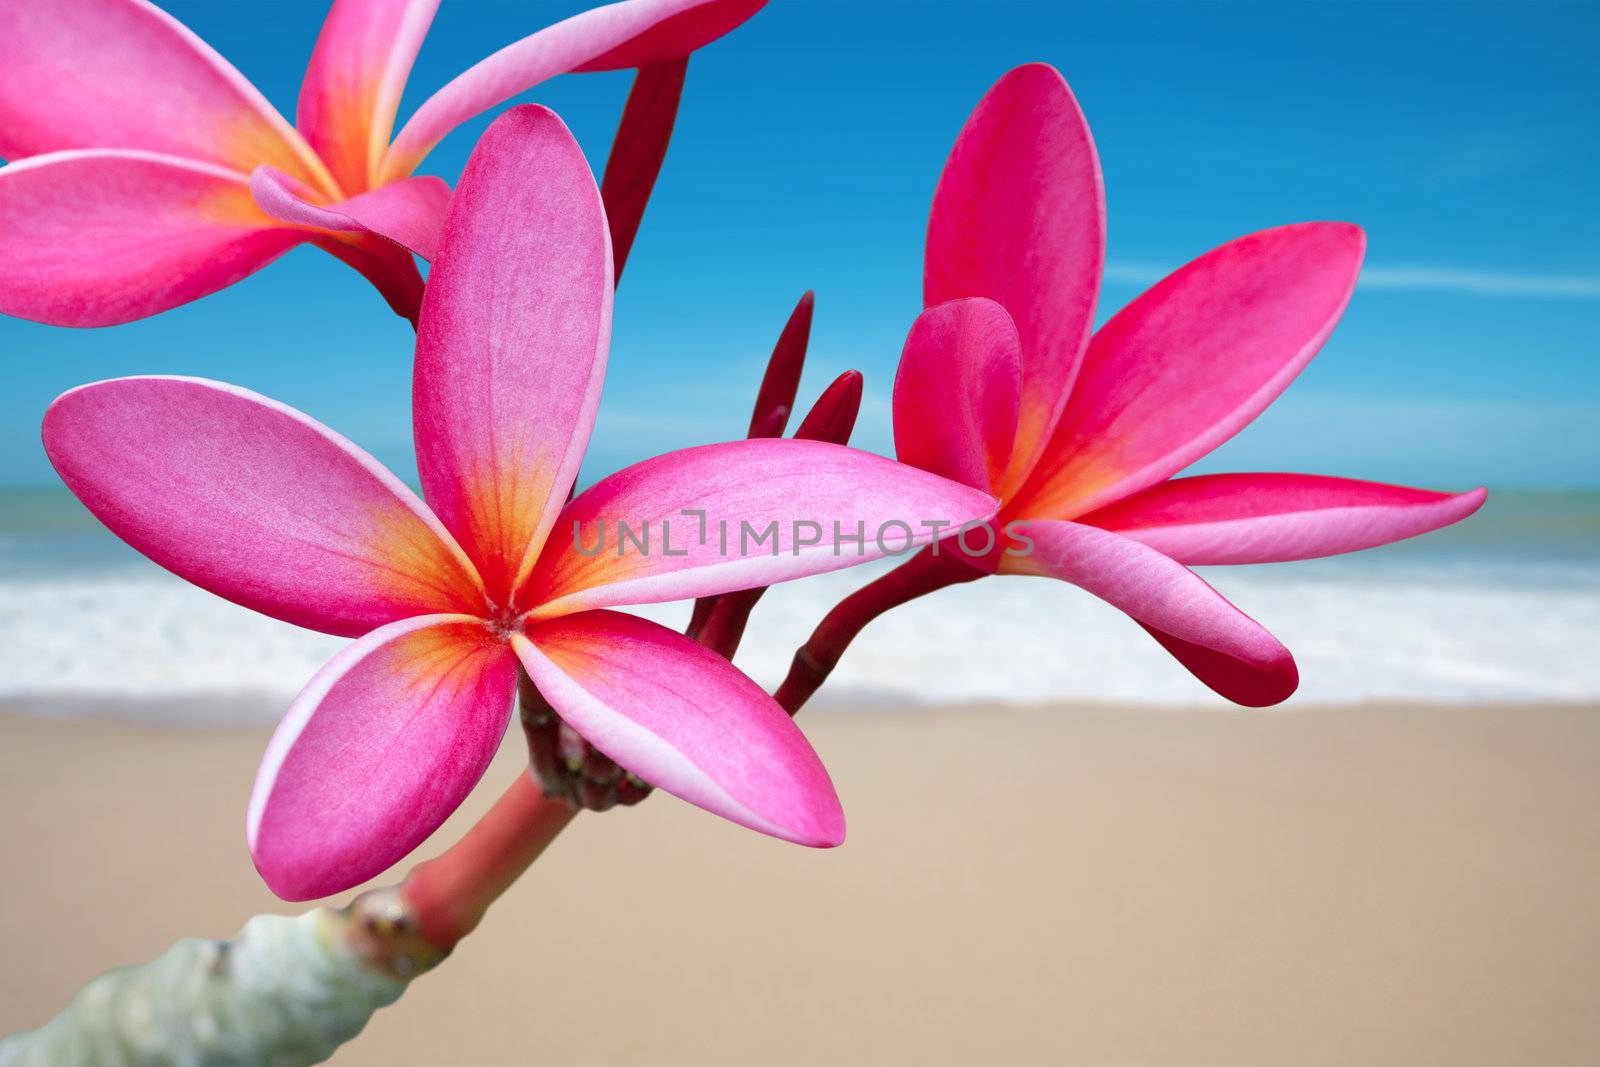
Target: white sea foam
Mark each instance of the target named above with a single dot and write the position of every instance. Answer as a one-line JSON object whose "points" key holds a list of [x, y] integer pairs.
{"points": [[130, 635]]}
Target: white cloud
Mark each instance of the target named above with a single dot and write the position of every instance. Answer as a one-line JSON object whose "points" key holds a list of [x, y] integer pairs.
{"points": [[1436, 279], [1487, 283], [1134, 273]]}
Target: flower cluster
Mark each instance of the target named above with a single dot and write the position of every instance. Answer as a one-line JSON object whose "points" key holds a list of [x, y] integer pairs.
{"points": [[165, 176]]}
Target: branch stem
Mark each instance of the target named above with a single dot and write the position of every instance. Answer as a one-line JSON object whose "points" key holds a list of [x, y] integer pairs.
{"points": [[721, 626], [450, 893]]}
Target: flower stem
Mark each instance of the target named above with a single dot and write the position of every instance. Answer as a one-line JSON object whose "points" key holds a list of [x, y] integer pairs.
{"points": [[638, 151], [449, 894], [720, 626], [816, 659]]}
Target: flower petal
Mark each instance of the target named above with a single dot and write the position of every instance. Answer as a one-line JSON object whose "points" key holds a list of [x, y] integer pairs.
{"points": [[736, 516], [833, 417], [1269, 518], [957, 392], [632, 33], [96, 238], [256, 502], [512, 343], [409, 212], [683, 718], [1020, 217], [378, 749], [1218, 643], [353, 84], [1190, 362], [639, 150], [781, 382], [125, 74]]}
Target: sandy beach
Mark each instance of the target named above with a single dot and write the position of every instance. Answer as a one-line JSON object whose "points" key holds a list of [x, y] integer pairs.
{"points": [[1361, 885]]}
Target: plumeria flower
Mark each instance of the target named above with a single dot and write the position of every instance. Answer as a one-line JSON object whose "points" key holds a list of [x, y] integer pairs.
{"points": [[264, 506], [1004, 386], [133, 146]]}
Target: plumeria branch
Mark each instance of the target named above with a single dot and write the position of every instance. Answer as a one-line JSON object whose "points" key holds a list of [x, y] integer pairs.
{"points": [[291, 990], [283, 990], [1010, 400], [448, 895], [676, 712]]}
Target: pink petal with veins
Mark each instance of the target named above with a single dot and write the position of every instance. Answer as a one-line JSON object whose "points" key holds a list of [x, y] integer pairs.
{"points": [[1192, 361], [1221, 645], [96, 238], [512, 343], [125, 74], [957, 392], [1019, 217], [256, 502], [377, 750], [353, 84], [409, 212], [1269, 518], [683, 718], [770, 509]]}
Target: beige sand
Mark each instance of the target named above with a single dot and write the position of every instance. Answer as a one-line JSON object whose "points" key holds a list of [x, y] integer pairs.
{"points": [[1081, 885]]}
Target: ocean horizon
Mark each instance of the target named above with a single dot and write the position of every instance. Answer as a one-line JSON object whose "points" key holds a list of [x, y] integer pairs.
{"points": [[1502, 607]]}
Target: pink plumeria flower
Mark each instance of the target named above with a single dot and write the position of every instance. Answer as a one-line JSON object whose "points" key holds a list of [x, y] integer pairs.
{"points": [[1003, 387], [133, 145], [266, 507]]}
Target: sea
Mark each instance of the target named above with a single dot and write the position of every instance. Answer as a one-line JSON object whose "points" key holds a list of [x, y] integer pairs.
{"points": [[1503, 607]]}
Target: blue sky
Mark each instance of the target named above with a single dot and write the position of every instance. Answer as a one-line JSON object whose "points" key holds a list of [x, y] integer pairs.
{"points": [[1462, 137]]}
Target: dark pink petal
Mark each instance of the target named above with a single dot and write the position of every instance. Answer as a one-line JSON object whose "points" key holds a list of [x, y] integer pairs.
{"points": [[737, 516], [256, 502], [1019, 217], [378, 749], [511, 347], [1190, 362], [833, 417], [632, 33], [957, 393], [125, 74], [409, 212], [639, 150], [95, 238], [683, 718], [1221, 645], [781, 382], [1268, 518], [353, 85]]}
